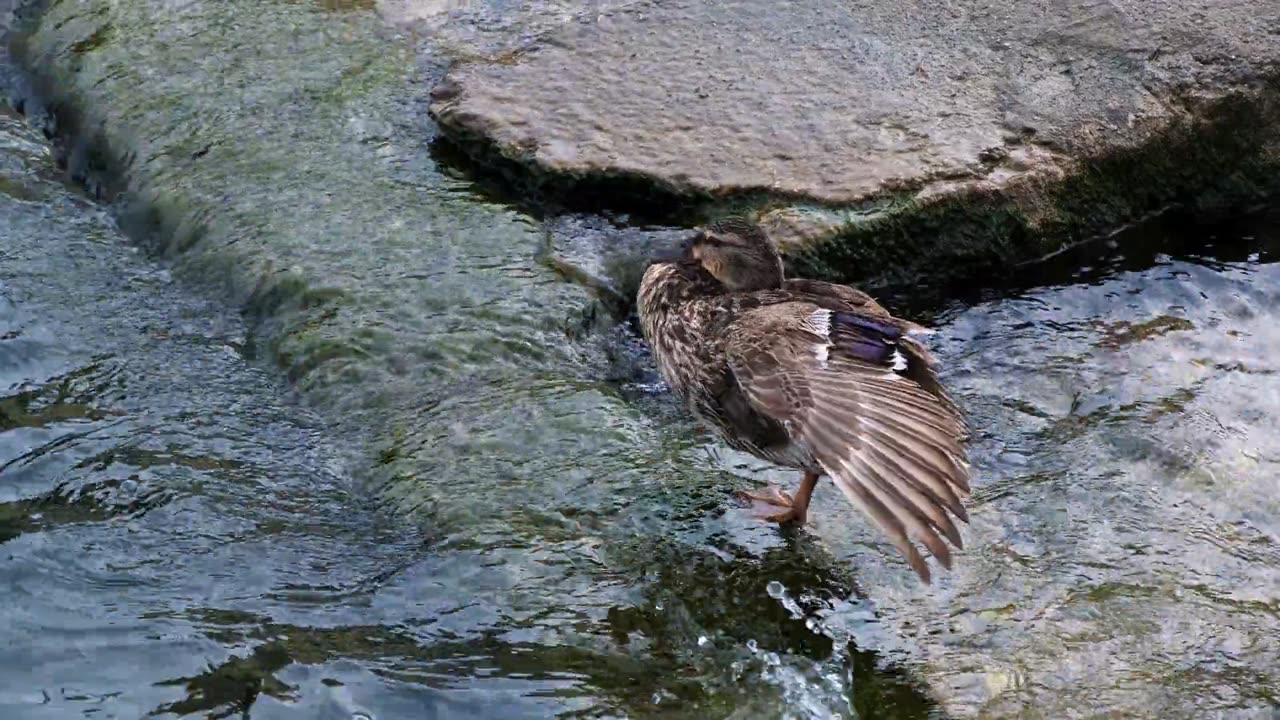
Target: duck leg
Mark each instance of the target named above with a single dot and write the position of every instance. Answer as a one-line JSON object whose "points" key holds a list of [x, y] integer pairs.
{"points": [[782, 507]]}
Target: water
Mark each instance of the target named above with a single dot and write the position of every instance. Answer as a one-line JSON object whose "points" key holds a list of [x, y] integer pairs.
{"points": [[528, 533], [474, 501], [163, 503]]}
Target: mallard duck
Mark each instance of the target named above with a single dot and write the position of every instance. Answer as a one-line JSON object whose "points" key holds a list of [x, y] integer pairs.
{"points": [[813, 376]]}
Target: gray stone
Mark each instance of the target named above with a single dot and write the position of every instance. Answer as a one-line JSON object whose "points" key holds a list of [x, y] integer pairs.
{"points": [[865, 104]]}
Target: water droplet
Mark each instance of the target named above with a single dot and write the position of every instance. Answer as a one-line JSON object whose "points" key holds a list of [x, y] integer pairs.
{"points": [[775, 589]]}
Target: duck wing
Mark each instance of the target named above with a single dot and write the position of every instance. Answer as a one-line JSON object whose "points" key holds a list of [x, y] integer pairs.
{"points": [[921, 365], [838, 382], [849, 298]]}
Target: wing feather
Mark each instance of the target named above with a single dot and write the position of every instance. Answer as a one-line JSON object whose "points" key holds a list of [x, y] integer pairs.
{"points": [[937, 489], [860, 494], [892, 445], [909, 396], [919, 497], [880, 476], [911, 441]]}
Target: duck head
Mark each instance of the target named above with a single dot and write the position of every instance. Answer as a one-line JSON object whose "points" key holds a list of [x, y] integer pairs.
{"points": [[738, 254]]}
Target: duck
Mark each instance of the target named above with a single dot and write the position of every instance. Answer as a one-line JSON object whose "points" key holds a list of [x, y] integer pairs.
{"points": [[813, 376]]}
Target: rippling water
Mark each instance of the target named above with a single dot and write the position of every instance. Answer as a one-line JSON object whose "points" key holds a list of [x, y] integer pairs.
{"points": [[540, 530], [172, 527], [179, 535]]}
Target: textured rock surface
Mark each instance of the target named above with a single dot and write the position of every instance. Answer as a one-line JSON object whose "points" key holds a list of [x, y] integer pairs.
{"points": [[845, 103], [837, 102]]}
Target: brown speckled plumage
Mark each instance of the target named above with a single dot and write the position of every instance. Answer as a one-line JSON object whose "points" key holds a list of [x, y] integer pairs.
{"points": [[814, 376]]}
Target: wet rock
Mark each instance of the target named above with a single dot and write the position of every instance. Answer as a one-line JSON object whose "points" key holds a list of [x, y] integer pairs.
{"points": [[607, 257], [889, 108]]}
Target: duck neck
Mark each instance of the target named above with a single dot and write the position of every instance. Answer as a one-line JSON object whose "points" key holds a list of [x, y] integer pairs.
{"points": [[743, 273], [749, 278], [666, 287]]}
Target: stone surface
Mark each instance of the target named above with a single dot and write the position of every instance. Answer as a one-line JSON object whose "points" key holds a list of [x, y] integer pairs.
{"points": [[840, 103]]}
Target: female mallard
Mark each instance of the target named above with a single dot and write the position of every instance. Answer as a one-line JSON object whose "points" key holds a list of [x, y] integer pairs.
{"points": [[813, 376]]}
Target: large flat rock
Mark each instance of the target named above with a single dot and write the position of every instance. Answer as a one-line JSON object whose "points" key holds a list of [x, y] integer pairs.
{"points": [[842, 102]]}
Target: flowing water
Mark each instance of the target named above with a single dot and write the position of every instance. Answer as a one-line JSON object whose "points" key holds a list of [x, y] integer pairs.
{"points": [[539, 530], [159, 496]]}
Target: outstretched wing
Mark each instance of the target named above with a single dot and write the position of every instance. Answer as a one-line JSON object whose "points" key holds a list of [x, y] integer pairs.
{"points": [[844, 299], [841, 384]]}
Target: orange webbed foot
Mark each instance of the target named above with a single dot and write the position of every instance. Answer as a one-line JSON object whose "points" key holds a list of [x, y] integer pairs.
{"points": [[774, 505]]}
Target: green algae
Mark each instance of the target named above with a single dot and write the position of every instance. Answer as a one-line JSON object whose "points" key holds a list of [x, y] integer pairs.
{"points": [[1124, 333], [19, 190], [198, 176]]}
